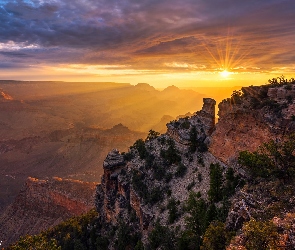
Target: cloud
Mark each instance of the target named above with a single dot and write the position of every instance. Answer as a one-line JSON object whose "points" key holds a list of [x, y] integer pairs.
{"points": [[132, 32]]}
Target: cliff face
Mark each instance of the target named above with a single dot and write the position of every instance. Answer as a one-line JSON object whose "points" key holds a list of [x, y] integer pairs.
{"points": [[247, 122], [42, 204]]}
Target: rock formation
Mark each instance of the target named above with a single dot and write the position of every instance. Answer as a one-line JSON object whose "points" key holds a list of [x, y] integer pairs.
{"points": [[42, 204], [246, 124], [203, 120]]}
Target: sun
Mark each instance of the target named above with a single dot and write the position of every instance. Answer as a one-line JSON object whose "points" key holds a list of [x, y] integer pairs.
{"points": [[225, 73]]}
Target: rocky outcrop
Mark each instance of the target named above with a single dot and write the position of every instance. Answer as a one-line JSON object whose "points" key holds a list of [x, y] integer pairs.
{"points": [[115, 196], [244, 124], [42, 204], [203, 120], [110, 188]]}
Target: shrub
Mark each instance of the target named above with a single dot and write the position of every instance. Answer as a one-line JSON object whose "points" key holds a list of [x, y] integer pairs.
{"points": [[161, 237], [128, 156], [159, 172], [215, 191], [168, 177], [181, 170], [272, 159], [139, 145], [193, 136], [215, 236], [171, 155], [260, 235], [126, 238], [201, 160], [152, 135], [200, 178], [173, 213], [185, 124]]}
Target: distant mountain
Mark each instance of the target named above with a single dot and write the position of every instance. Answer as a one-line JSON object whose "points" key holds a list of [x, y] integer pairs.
{"points": [[144, 87]]}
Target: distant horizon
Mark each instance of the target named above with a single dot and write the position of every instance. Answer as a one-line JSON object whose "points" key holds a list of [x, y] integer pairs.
{"points": [[178, 85], [189, 43]]}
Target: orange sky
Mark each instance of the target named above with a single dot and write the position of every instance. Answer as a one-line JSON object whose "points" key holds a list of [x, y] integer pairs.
{"points": [[184, 43]]}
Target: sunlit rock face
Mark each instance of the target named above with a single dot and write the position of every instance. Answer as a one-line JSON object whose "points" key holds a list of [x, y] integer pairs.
{"points": [[245, 126], [42, 204]]}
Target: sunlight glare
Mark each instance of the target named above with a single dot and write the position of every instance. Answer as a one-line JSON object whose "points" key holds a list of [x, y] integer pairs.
{"points": [[225, 73]]}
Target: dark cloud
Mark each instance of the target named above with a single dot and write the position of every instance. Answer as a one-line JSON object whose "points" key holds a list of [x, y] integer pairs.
{"points": [[131, 31]]}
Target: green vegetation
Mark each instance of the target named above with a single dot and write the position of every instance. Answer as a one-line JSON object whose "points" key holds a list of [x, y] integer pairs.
{"points": [[273, 159], [185, 124], [281, 80], [36, 242], [173, 211], [200, 178], [139, 145], [191, 185], [161, 237], [215, 191], [126, 238], [216, 236], [181, 170], [193, 136], [149, 196], [75, 233], [128, 156], [260, 235], [152, 135], [171, 155]]}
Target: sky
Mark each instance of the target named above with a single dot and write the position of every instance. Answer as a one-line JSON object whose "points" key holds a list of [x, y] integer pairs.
{"points": [[161, 42]]}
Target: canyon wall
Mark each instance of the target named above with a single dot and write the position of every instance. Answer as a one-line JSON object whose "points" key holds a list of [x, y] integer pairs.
{"points": [[42, 204]]}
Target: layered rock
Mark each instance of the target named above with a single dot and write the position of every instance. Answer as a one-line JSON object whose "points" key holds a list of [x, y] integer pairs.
{"points": [[42, 204]]}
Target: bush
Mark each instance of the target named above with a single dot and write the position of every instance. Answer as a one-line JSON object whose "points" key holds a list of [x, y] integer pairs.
{"points": [[171, 155], [173, 213], [215, 236], [193, 136], [139, 145], [260, 235], [186, 124], [200, 178], [181, 170], [126, 238], [128, 156], [215, 191], [161, 237], [273, 159], [232, 182], [188, 241], [159, 172], [152, 135]]}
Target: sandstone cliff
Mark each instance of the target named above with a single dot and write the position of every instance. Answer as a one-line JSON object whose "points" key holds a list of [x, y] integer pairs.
{"points": [[42, 204], [252, 117]]}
